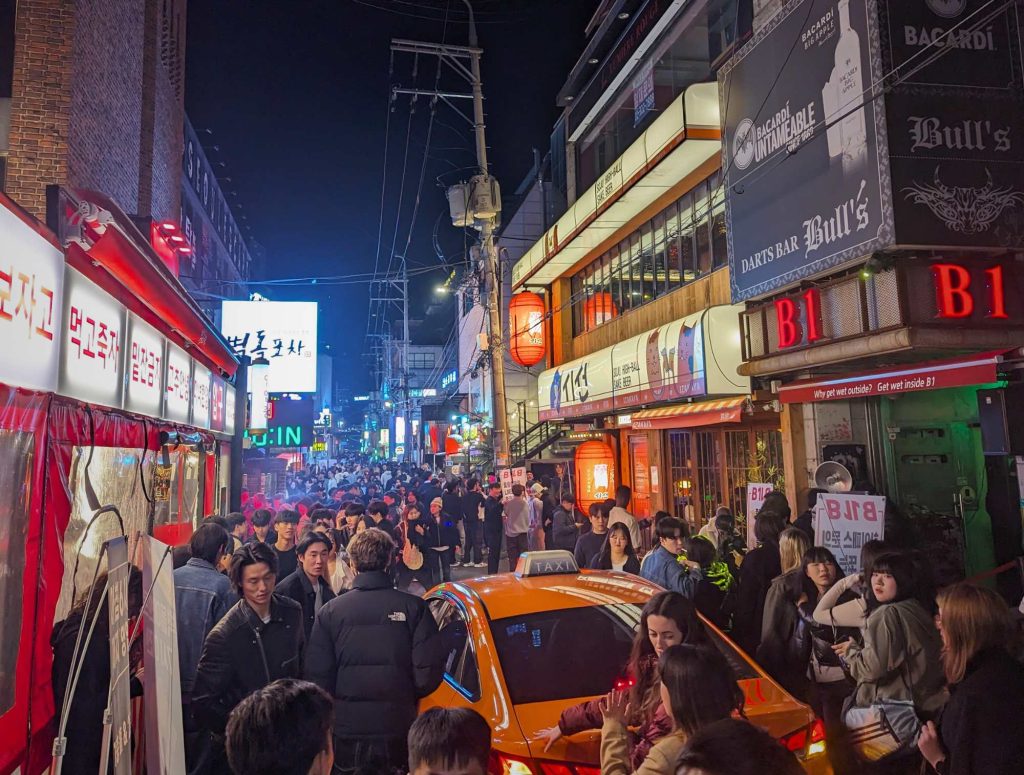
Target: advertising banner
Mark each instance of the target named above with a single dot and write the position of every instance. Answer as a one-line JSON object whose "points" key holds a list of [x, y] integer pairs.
{"points": [[283, 332], [165, 737], [804, 146], [144, 391], [31, 301], [119, 698], [955, 122], [505, 477], [844, 522], [756, 493]]}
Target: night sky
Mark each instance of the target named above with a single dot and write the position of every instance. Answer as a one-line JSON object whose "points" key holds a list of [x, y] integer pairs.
{"points": [[296, 93]]}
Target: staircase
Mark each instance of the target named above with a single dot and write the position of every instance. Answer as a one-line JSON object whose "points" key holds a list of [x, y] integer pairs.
{"points": [[534, 440]]}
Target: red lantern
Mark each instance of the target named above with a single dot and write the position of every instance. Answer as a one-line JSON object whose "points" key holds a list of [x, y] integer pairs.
{"points": [[526, 328], [595, 473], [599, 308]]}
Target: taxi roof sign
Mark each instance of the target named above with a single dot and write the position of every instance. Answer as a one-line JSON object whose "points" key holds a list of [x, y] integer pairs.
{"points": [[547, 563]]}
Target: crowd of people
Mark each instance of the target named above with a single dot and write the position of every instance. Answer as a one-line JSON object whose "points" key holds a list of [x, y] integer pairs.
{"points": [[301, 650]]}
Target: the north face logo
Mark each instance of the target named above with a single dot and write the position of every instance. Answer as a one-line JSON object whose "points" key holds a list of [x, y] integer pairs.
{"points": [[396, 616]]}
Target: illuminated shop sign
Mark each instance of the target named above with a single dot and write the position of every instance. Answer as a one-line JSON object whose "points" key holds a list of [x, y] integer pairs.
{"points": [[292, 436], [144, 389], [93, 335], [178, 385], [200, 396], [449, 379], [31, 283]]}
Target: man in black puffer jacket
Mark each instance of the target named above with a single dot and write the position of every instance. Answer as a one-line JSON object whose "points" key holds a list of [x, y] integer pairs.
{"points": [[376, 650]]}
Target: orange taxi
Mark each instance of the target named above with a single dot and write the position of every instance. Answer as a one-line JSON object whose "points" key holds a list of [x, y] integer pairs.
{"points": [[521, 647]]}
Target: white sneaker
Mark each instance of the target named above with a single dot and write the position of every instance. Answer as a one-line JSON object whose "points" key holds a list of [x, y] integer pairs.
{"points": [[480, 565]]}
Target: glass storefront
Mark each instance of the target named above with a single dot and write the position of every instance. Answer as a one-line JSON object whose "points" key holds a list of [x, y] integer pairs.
{"points": [[685, 241]]}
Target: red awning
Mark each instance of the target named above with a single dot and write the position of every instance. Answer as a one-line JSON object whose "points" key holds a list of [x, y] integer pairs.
{"points": [[932, 375], [689, 415]]}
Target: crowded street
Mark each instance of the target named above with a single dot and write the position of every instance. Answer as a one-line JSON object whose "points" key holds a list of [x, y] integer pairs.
{"points": [[512, 387]]}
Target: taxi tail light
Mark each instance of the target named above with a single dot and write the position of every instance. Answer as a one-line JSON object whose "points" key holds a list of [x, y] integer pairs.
{"points": [[806, 741], [504, 764]]}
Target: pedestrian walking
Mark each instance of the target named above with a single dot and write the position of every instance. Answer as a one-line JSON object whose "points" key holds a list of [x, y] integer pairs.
{"points": [[589, 543], [686, 672], [442, 539], [667, 619], [286, 523], [617, 552], [202, 596], [517, 524], [987, 684], [536, 536], [376, 650], [472, 520], [259, 640], [665, 567], [565, 531], [262, 530], [760, 566], [308, 585], [449, 741], [784, 648], [494, 526], [285, 727], [714, 595], [378, 515], [619, 513]]}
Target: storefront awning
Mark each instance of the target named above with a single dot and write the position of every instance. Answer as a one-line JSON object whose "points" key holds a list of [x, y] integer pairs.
{"points": [[932, 375], [690, 415]]}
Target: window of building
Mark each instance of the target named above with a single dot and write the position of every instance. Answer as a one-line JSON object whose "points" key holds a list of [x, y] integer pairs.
{"points": [[422, 360], [683, 242]]}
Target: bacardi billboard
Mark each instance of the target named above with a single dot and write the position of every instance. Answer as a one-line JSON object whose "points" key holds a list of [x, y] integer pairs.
{"points": [[806, 167]]}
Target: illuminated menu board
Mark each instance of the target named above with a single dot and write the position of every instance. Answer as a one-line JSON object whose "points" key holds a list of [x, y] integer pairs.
{"points": [[177, 385], [144, 367], [93, 335]]}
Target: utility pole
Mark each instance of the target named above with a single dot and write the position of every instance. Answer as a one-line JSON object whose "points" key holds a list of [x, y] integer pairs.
{"points": [[482, 188]]}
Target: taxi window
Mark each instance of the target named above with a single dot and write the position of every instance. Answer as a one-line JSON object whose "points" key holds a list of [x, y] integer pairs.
{"points": [[460, 668], [576, 652]]}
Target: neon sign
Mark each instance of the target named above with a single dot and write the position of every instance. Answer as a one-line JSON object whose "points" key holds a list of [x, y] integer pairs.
{"points": [[955, 298], [799, 319]]}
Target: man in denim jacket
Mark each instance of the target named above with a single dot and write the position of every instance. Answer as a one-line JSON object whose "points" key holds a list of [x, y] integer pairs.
{"points": [[202, 595], [663, 567]]}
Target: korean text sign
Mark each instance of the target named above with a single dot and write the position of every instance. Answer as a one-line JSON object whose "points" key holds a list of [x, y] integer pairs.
{"points": [[145, 368], [756, 493], [283, 332], [120, 678], [93, 336], [31, 283], [844, 522]]}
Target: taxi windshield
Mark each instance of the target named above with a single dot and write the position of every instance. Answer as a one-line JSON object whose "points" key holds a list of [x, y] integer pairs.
{"points": [[574, 652]]}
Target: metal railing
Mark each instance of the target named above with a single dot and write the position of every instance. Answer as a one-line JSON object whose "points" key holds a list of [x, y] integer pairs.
{"points": [[534, 440]]}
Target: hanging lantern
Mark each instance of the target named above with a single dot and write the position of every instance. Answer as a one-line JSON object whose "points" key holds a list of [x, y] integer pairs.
{"points": [[526, 328], [599, 308], [595, 473]]}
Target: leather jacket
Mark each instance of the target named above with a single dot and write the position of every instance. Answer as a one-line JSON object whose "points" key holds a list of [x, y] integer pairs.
{"points": [[243, 654]]}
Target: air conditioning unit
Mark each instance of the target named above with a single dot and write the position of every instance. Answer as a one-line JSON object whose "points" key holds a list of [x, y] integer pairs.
{"points": [[485, 197], [458, 205]]}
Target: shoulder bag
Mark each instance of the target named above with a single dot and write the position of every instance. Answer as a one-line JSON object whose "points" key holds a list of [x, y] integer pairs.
{"points": [[412, 557]]}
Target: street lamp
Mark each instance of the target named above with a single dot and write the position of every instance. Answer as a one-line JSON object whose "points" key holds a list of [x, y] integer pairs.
{"points": [[441, 289]]}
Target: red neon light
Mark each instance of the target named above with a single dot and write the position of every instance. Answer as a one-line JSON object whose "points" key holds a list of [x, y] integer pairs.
{"points": [[168, 226], [176, 238], [787, 317], [952, 297], [996, 293], [185, 250], [812, 305]]}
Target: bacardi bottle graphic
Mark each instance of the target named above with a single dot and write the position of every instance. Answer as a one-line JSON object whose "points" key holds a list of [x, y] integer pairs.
{"points": [[843, 97]]}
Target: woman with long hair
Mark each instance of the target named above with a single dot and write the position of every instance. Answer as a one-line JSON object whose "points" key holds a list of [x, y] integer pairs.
{"points": [[617, 552], [696, 687], [783, 650], [760, 566], [712, 595], [668, 619], [986, 682]]}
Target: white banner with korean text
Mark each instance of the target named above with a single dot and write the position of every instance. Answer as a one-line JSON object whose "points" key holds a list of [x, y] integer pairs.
{"points": [[844, 522]]}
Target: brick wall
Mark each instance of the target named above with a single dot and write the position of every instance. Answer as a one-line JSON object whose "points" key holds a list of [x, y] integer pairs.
{"points": [[97, 102], [40, 100]]}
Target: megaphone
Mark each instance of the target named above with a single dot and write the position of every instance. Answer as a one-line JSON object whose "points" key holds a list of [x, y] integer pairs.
{"points": [[833, 477]]}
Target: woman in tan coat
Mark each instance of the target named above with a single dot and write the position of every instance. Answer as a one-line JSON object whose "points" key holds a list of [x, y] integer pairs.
{"points": [[697, 688]]}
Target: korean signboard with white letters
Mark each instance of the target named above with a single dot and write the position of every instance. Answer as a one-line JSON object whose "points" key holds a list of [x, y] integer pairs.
{"points": [[283, 332], [804, 146], [200, 396], [120, 666], [31, 283], [844, 522], [93, 336], [229, 409], [178, 385], [144, 390]]}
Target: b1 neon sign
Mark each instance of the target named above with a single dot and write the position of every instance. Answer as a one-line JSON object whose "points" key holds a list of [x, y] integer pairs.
{"points": [[955, 297], [798, 319]]}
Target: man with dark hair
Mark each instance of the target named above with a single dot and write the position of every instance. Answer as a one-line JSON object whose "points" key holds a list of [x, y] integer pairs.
{"points": [[472, 515], [308, 586], [202, 595], [258, 641], [377, 651], [663, 567], [261, 528], [619, 514], [236, 529], [377, 516], [285, 727], [494, 528], [449, 741], [286, 523], [390, 498], [565, 528]]}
